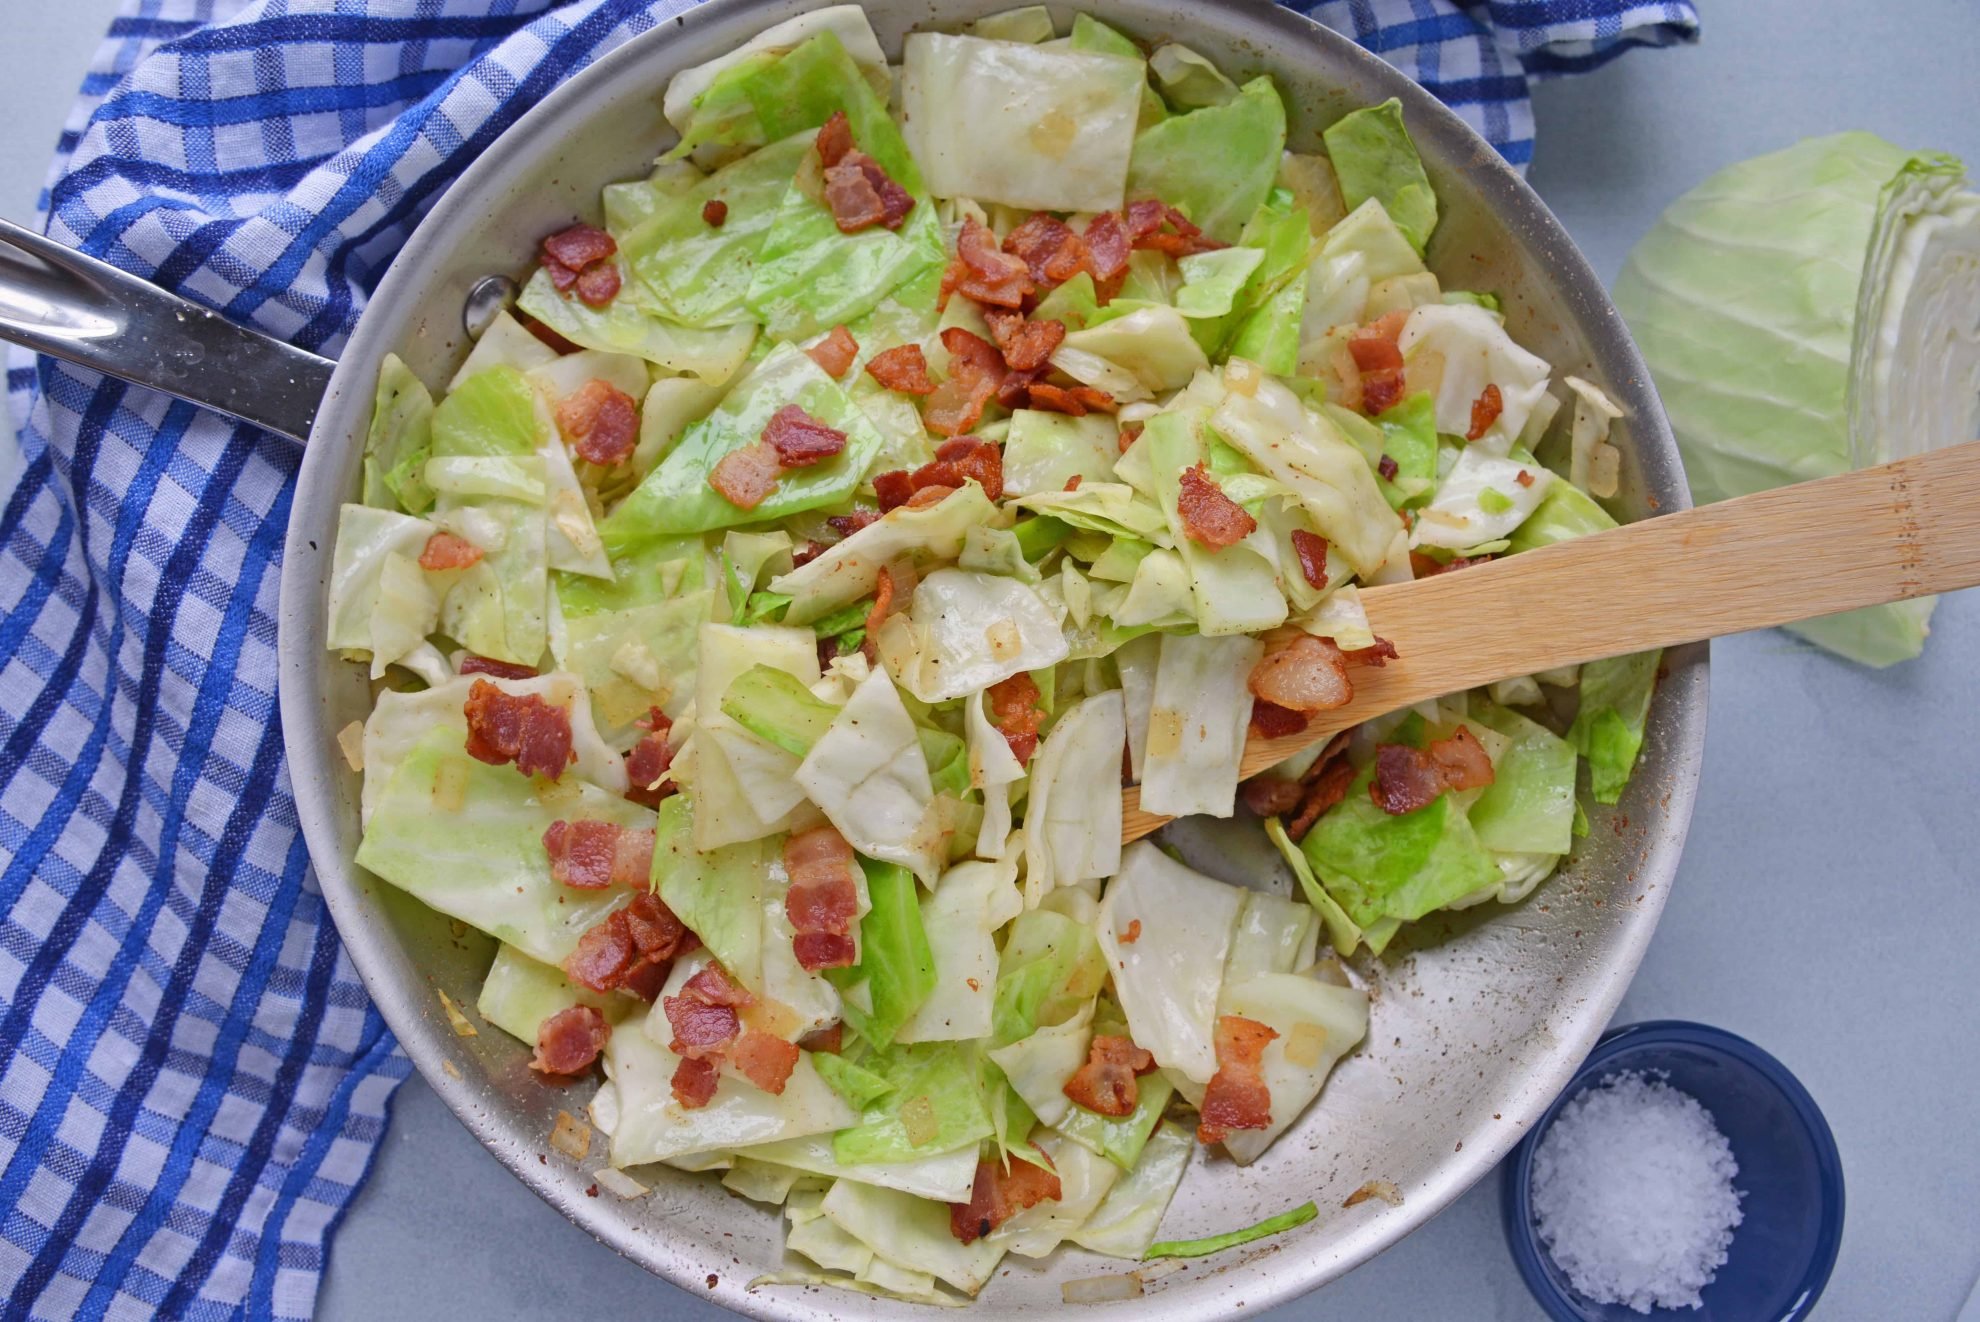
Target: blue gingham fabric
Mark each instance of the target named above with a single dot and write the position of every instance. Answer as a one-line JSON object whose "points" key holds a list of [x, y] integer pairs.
{"points": [[192, 1081]]}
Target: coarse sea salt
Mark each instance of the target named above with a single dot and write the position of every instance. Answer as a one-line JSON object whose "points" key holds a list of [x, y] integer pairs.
{"points": [[1633, 1194]]}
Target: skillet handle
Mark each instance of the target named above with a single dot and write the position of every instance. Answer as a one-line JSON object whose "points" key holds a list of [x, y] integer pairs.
{"points": [[57, 301]]}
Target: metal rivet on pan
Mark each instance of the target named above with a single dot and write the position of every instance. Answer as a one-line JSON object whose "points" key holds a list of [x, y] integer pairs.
{"points": [[489, 296]]}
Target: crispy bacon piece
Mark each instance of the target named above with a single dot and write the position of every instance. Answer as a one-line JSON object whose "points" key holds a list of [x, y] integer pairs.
{"points": [[1485, 411], [829, 1039], [648, 760], [893, 489], [601, 422], [1210, 517], [694, 1083], [1308, 674], [1129, 435], [713, 986], [1271, 721], [1014, 710], [1072, 483], [765, 1059], [903, 367], [443, 550], [1423, 566], [799, 439], [1237, 1097], [603, 955], [1388, 467], [1407, 779], [857, 188], [823, 898], [1156, 225], [1377, 654], [998, 1195], [834, 140], [1014, 391], [847, 524], [482, 665], [806, 551], [835, 353], [990, 275], [1105, 1083], [1107, 251], [1075, 401], [1271, 796], [525, 730], [960, 459], [927, 496], [1378, 357], [883, 602], [746, 477], [592, 855], [976, 369], [713, 212], [569, 1040], [1046, 244], [1311, 548], [599, 285], [1525, 478], [578, 247], [1326, 786], [701, 1031], [1462, 760], [1026, 345], [632, 948], [1133, 933]]}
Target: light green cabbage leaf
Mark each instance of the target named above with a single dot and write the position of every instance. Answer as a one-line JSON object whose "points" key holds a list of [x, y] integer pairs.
{"points": [[1168, 977], [970, 903], [1072, 816], [849, 570], [1125, 1223], [1026, 126], [1615, 709], [519, 993], [399, 440], [1317, 1023], [870, 777], [1374, 157], [1198, 711], [466, 838], [1215, 164]]}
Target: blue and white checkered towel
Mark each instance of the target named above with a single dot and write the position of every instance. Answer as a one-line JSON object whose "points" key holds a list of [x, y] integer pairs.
{"points": [[192, 1081]]}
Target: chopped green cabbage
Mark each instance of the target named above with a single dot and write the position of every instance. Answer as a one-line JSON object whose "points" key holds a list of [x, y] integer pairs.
{"points": [[1374, 157], [1216, 164]]}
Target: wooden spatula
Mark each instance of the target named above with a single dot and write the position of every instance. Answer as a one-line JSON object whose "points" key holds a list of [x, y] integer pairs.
{"points": [[1900, 530]]}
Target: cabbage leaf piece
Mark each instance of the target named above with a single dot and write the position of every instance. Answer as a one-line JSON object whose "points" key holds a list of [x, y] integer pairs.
{"points": [[1072, 816], [970, 904], [935, 1105], [1401, 867], [1306, 452], [912, 1233], [974, 630], [698, 273], [1615, 711], [744, 787], [1482, 499], [1125, 1223], [676, 497], [466, 838], [519, 993], [647, 1123], [688, 90], [1015, 123], [848, 570], [1198, 713], [1215, 164], [1373, 156], [712, 353], [869, 775], [399, 440], [1169, 974], [1317, 1023], [1477, 352]]}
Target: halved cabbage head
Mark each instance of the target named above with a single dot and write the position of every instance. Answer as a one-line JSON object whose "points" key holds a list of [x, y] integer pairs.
{"points": [[1811, 311]]}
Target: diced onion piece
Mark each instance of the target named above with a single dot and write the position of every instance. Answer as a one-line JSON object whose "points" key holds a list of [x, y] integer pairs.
{"points": [[572, 1136], [1101, 1289], [619, 1183], [350, 740]]}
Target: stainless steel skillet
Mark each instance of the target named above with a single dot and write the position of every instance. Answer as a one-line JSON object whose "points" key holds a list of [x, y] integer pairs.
{"points": [[1476, 1022]]}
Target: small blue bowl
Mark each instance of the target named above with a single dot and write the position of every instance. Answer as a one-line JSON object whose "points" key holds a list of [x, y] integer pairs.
{"points": [[1785, 1246]]}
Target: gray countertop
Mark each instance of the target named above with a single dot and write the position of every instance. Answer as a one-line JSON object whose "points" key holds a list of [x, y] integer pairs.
{"points": [[1829, 899]]}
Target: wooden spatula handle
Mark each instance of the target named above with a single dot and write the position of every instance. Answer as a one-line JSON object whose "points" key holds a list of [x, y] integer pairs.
{"points": [[1899, 530]]}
